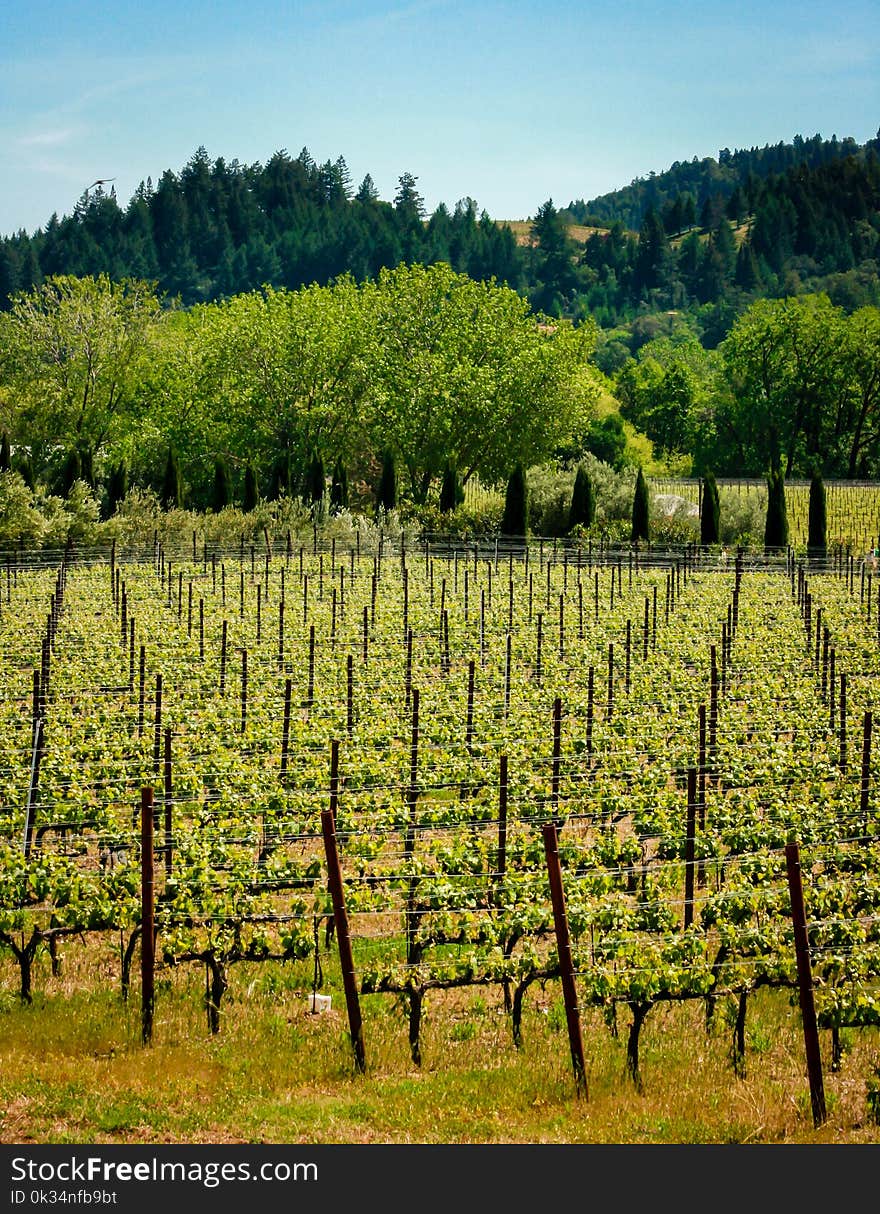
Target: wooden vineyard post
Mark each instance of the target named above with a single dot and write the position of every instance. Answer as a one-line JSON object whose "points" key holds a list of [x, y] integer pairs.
{"points": [[33, 786], [566, 965], [310, 694], [142, 674], [469, 723], [343, 935], [244, 690], [701, 784], [148, 927], [610, 679], [866, 773], [157, 734], [626, 666], [591, 700], [689, 847], [169, 804], [805, 984], [507, 664], [285, 729], [412, 797], [557, 759], [843, 755], [502, 818], [223, 645], [349, 695]]}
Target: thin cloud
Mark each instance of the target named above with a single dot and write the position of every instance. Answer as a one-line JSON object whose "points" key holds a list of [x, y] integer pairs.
{"points": [[48, 139]]}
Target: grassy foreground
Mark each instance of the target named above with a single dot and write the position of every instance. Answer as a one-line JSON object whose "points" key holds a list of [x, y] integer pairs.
{"points": [[73, 1070]]}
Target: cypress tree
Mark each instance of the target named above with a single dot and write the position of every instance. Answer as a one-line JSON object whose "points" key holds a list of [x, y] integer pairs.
{"points": [[776, 524], [222, 493], [640, 509], [515, 520], [710, 513], [279, 485], [5, 453], [86, 468], [117, 487], [386, 494], [451, 492], [70, 471], [339, 487], [171, 482], [316, 481], [583, 503], [250, 495], [817, 543], [25, 469]]}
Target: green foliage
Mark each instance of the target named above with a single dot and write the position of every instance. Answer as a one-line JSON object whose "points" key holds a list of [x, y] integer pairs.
{"points": [[117, 488], [70, 472], [515, 520], [776, 524], [710, 512], [640, 509], [316, 480]]}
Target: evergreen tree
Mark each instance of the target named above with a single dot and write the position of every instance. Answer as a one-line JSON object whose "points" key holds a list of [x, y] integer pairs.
{"points": [[25, 470], [117, 488], [710, 512], [776, 523], [451, 492], [316, 480], [515, 520], [817, 543], [386, 493], [583, 505], [250, 497], [222, 494], [640, 509], [70, 471], [5, 453], [279, 484], [339, 487], [171, 489]]}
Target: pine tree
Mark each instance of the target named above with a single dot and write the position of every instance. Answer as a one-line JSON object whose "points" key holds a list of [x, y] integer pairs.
{"points": [[515, 520], [451, 492], [222, 494], [171, 482], [710, 512], [583, 504], [250, 497], [5, 453], [279, 485], [386, 494], [817, 543], [339, 487], [776, 523], [640, 509]]}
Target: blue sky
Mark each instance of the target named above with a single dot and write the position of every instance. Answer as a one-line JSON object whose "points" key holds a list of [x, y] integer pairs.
{"points": [[504, 101]]}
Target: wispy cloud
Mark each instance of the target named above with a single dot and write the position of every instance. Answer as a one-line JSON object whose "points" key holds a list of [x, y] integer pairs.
{"points": [[49, 138]]}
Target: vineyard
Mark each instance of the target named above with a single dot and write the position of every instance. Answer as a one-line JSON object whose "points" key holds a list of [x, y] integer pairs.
{"points": [[415, 777]]}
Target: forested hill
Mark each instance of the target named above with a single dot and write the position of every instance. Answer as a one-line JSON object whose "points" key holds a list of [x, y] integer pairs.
{"points": [[711, 237], [219, 228], [710, 178]]}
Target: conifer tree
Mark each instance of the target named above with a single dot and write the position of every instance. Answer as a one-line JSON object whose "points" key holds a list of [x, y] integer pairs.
{"points": [[710, 512], [640, 509], [451, 492], [515, 520], [5, 453], [316, 481], [117, 487], [279, 485], [339, 487], [583, 504], [222, 493], [817, 543], [171, 482], [70, 471], [386, 493], [776, 523], [251, 492]]}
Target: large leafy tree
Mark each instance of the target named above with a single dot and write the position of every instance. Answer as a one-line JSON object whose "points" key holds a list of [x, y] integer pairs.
{"points": [[73, 354]]}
